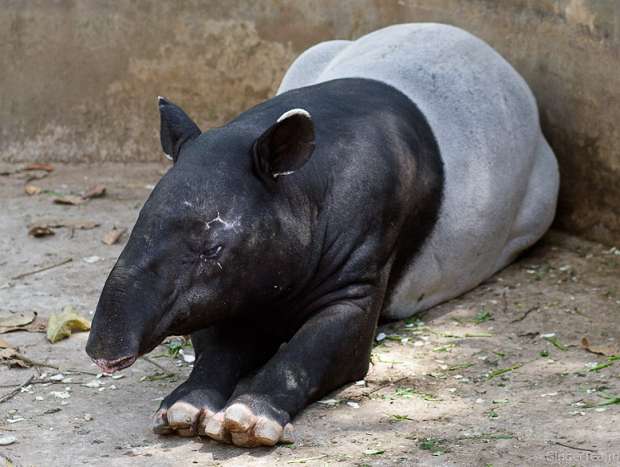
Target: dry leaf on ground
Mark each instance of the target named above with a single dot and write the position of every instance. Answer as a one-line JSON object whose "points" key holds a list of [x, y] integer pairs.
{"points": [[113, 236], [12, 358], [27, 321], [17, 319], [606, 350], [72, 200], [61, 325], [40, 231], [96, 191], [32, 190], [45, 227], [39, 166]]}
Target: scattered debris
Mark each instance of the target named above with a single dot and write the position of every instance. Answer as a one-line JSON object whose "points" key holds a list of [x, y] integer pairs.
{"points": [[175, 345], [373, 452], [552, 339], [46, 268], [16, 391], [187, 357], [46, 227], [483, 316], [329, 402], [71, 200], [95, 383], [113, 236], [432, 444], [61, 325], [573, 447], [39, 231], [525, 315], [605, 350], [96, 191], [92, 259], [6, 440], [14, 320], [501, 371], [164, 373], [26, 321], [38, 166], [600, 366], [32, 190], [306, 459], [11, 358]]}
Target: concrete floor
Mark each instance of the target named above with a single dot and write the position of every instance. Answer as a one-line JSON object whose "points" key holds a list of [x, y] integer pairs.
{"points": [[434, 395]]}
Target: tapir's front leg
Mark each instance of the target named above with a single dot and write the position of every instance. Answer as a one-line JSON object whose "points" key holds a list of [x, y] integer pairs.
{"points": [[223, 354], [329, 350]]}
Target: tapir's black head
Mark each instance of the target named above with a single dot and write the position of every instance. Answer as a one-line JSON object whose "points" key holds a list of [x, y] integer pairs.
{"points": [[215, 238]]}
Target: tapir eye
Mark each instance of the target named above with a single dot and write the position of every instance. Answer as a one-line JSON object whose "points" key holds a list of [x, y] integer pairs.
{"points": [[212, 253]]}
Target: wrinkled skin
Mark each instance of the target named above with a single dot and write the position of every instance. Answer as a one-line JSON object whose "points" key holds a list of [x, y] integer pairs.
{"points": [[274, 242]]}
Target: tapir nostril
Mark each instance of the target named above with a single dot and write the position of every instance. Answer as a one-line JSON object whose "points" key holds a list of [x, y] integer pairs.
{"points": [[110, 366]]}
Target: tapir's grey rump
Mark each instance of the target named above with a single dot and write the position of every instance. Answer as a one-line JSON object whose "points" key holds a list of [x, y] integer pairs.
{"points": [[501, 177]]}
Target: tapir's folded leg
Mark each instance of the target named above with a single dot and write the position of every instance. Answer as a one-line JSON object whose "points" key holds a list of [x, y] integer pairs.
{"points": [[223, 354], [329, 350]]}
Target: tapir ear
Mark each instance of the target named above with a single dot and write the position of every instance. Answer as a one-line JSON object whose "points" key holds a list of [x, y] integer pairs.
{"points": [[285, 146], [176, 128]]}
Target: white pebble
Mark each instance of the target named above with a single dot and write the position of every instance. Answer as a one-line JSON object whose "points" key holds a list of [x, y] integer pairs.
{"points": [[92, 259], [6, 440]]}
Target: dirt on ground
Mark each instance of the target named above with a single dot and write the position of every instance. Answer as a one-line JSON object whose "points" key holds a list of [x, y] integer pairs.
{"points": [[500, 376]]}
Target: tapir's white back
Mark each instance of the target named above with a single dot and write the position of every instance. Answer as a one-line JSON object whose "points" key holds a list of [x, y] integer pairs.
{"points": [[501, 177]]}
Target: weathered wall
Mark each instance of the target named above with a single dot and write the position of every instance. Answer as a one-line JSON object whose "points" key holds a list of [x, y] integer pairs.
{"points": [[79, 78]]}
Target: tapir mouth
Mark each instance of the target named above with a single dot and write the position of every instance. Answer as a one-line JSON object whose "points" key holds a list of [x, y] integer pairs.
{"points": [[110, 366]]}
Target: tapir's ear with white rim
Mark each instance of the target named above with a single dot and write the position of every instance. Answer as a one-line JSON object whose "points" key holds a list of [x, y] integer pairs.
{"points": [[176, 128], [285, 146]]}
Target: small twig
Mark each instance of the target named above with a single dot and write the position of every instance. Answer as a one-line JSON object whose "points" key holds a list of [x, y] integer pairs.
{"points": [[574, 447], [45, 381], [521, 318], [155, 364], [391, 383], [306, 459], [16, 391], [73, 370], [46, 268], [34, 362]]}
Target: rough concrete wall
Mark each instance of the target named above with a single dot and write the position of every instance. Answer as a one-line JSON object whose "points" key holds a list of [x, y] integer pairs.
{"points": [[79, 78]]}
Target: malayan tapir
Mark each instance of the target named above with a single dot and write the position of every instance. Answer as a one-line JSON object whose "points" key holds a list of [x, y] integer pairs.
{"points": [[387, 175]]}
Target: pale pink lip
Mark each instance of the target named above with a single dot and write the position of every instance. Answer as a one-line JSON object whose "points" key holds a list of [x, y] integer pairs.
{"points": [[110, 366]]}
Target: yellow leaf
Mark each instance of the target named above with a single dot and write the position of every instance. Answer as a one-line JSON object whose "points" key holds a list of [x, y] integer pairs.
{"points": [[61, 325]]}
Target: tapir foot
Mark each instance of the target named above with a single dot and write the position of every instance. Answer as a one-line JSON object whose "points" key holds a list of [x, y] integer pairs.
{"points": [[249, 422], [183, 411]]}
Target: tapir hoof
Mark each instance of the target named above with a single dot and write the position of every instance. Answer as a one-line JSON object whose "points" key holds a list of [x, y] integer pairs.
{"points": [[240, 425]]}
